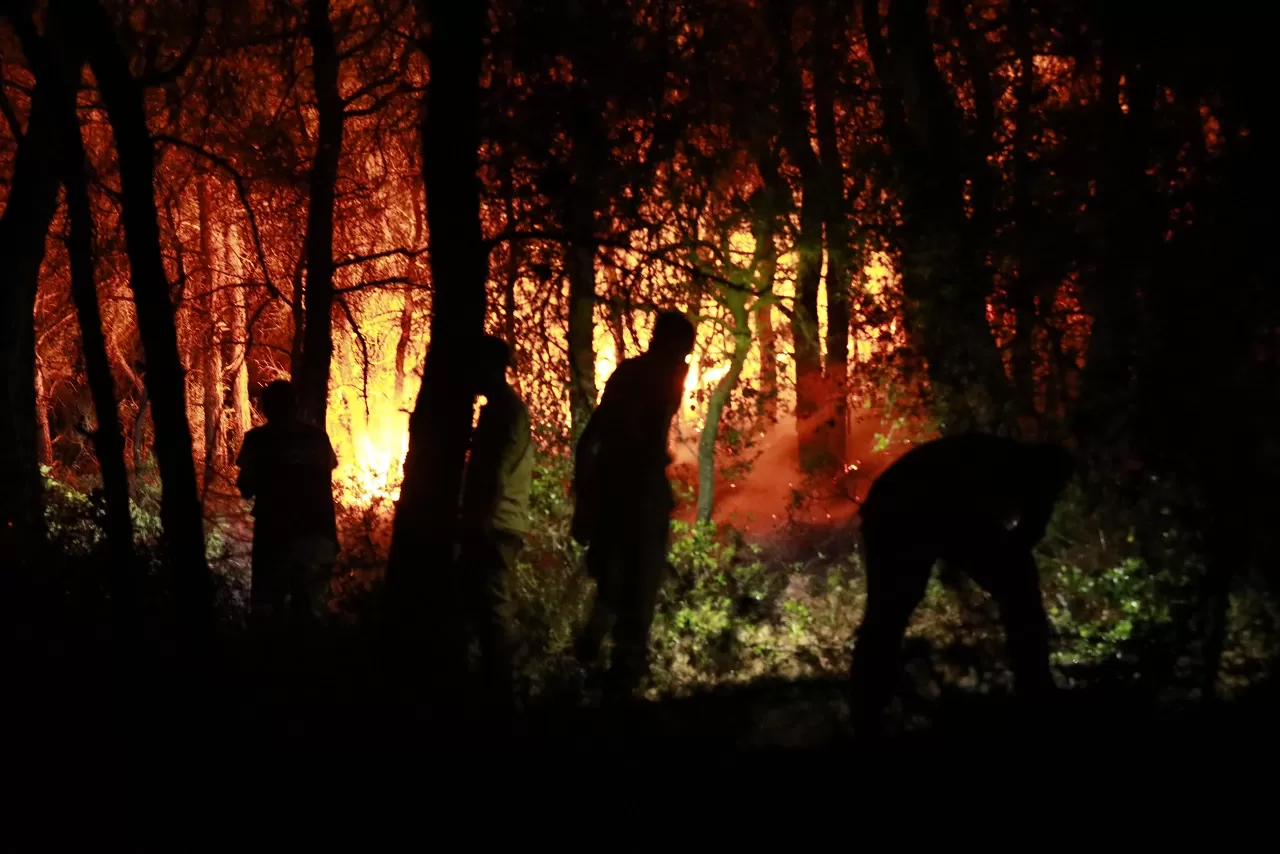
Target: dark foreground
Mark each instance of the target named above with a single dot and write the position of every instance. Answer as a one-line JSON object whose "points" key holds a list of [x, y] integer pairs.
{"points": [[339, 727]]}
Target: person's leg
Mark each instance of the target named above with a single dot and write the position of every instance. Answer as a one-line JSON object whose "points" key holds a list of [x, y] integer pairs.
{"points": [[1011, 577], [602, 565], [897, 574], [268, 585], [642, 570], [495, 559], [311, 563]]}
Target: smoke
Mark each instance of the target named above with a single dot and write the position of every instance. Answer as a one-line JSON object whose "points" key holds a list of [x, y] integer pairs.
{"points": [[772, 494]]}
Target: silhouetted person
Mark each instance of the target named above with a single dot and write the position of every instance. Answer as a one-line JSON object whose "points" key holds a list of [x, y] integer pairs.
{"points": [[623, 501], [495, 511], [286, 466], [980, 504]]}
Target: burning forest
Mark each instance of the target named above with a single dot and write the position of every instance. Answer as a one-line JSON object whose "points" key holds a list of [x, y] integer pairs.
{"points": [[887, 221]]}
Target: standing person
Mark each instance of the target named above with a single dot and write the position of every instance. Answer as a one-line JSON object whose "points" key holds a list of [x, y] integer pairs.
{"points": [[286, 467], [495, 511], [623, 501]]}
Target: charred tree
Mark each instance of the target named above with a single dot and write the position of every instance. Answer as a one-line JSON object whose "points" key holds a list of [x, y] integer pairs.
{"points": [[581, 270], [312, 376], [405, 338], [28, 212], [211, 372], [108, 434], [180, 515], [794, 124], [736, 301], [768, 205], [239, 415], [44, 436], [836, 228], [944, 273], [440, 425]]}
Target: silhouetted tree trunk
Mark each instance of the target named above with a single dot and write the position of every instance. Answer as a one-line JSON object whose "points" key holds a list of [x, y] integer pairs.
{"points": [[581, 216], [836, 225], [440, 427], [1023, 296], [406, 312], [240, 417], [795, 140], [317, 349], [512, 268], [943, 268], [211, 371], [32, 199], [1125, 231], [768, 205], [180, 503], [108, 435], [736, 301], [44, 437]]}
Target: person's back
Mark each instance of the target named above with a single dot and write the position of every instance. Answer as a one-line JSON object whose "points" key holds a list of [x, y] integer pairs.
{"points": [[499, 474], [290, 465], [953, 486], [286, 467], [640, 399]]}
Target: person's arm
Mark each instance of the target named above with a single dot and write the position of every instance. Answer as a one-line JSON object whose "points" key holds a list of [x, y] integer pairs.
{"points": [[247, 480], [484, 469]]}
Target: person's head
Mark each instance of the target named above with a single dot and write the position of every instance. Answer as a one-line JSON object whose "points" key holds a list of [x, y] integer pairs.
{"points": [[673, 337], [492, 358], [278, 402]]}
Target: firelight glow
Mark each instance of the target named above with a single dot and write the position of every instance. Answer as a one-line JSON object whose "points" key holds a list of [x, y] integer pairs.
{"points": [[368, 422]]}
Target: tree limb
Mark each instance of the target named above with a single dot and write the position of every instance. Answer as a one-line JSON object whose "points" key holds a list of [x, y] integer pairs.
{"points": [[156, 77]]}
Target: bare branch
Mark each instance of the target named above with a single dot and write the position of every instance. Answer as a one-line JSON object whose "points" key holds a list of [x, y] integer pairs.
{"points": [[364, 353], [351, 260], [156, 77], [243, 195], [379, 283], [10, 115]]}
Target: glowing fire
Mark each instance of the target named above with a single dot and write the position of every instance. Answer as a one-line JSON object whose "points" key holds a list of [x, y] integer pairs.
{"points": [[368, 422], [370, 431]]}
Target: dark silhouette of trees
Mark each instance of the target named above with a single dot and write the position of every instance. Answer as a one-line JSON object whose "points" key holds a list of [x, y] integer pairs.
{"points": [[122, 94], [28, 211], [64, 66], [419, 567]]}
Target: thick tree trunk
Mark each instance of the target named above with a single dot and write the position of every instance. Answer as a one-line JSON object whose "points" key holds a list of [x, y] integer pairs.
{"points": [[108, 436], [180, 503], [737, 302], [420, 562], [317, 348], [211, 370], [32, 199]]}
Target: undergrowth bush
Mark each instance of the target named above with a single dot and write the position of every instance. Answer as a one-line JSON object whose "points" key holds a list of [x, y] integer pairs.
{"points": [[1121, 583]]}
